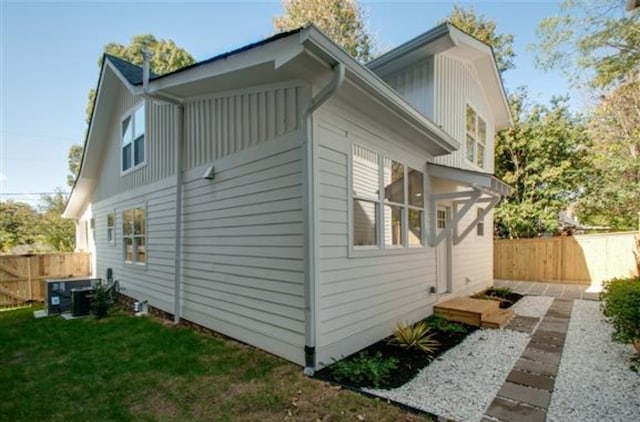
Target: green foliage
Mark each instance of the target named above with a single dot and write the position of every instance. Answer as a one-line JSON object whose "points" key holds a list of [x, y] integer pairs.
{"points": [[484, 29], [501, 292], [17, 222], [437, 323], [594, 35], [341, 20], [56, 231], [544, 158], [417, 336], [364, 370], [74, 159], [612, 195], [101, 300], [621, 304]]}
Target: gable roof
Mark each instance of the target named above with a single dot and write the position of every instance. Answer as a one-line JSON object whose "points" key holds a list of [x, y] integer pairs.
{"points": [[444, 37], [131, 72]]}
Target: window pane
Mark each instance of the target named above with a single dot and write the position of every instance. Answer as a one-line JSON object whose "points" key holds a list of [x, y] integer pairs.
{"points": [[365, 216], [480, 155], [393, 225], [127, 131], [415, 227], [139, 221], [441, 219], [110, 220], [480, 226], [128, 249], [126, 157], [141, 250], [471, 120], [139, 122], [393, 181], [365, 173], [138, 151], [109, 234], [470, 148], [482, 130], [416, 188], [127, 222]]}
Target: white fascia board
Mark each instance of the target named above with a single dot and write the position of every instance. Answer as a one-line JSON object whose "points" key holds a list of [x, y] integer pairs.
{"points": [[318, 43]]}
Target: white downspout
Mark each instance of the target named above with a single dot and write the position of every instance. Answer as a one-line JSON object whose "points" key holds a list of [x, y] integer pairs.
{"points": [[177, 294], [308, 194]]}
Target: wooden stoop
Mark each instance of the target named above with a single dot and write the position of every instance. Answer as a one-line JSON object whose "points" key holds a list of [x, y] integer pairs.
{"points": [[476, 312]]}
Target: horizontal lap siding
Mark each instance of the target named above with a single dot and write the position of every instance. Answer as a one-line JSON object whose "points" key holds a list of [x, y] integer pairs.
{"points": [[456, 84], [155, 281], [360, 299], [243, 248], [160, 139]]}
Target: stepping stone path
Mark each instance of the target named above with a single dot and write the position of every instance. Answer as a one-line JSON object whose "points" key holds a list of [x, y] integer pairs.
{"points": [[526, 394]]}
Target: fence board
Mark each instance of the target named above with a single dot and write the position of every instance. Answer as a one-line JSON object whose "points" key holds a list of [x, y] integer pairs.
{"points": [[22, 277], [571, 259]]}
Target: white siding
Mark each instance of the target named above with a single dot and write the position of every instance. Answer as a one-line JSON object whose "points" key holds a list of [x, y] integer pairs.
{"points": [[415, 84], [243, 247], [160, 138], [360, 298], [155, 281], [456, 84]]}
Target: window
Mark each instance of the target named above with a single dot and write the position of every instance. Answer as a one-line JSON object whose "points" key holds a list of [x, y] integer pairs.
{"points": [[111, 224], [441, 219], [133, 129], [476, 137], [134, 237], [388, 202], [480, 226]]}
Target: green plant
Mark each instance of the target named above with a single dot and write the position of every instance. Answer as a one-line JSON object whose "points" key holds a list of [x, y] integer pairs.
{"points": [[501, 292], [101, 300], [364, 369], [414, 336], [621, 305], [438, 323]]}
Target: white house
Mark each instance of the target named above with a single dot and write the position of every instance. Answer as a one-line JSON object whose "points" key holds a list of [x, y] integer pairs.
{"points": [[287, 196]]}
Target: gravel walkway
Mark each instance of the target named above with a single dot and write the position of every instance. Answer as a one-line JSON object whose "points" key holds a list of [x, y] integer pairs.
{"points": [[594, 382]]}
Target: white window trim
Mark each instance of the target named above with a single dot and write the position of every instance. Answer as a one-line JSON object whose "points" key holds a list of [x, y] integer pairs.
{"points": [[130, 113], [480, 227], [382, 249], [476, 140], [134, 263], [112, 242]]}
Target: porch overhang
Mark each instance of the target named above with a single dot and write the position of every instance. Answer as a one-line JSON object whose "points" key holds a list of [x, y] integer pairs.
{"points": [[481, 189]]}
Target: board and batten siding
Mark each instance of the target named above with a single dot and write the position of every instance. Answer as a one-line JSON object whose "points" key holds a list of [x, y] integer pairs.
{"points": [[360, 299], [243, 235], [416, 85], [160, 139], [456, 84], [153, 282]]}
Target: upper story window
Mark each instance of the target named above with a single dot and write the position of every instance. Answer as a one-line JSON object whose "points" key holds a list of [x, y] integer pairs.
{"points": [[134, 236], [388, 202], [111, 226], [476, 137], [133, 144]]}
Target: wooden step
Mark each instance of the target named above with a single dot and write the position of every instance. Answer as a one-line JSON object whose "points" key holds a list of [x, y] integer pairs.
{"points": [[467, 310], [497, 319]]}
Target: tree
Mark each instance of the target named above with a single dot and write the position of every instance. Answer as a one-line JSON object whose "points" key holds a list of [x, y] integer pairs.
{"points": [[74, 159], [341, 20], [56, 231], [597, 36], [543, 157], [613, 197], [484, 29], [17, 223]]}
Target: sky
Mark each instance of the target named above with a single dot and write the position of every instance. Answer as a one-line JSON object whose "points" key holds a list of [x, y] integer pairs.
{"points": [[49, 52]]}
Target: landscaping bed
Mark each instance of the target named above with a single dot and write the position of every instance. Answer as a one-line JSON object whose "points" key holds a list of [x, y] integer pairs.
{"points": [[505, 296]]}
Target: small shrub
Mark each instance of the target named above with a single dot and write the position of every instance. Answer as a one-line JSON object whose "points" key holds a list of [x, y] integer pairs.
{"points": [[441, 324], [414, 336], [365, 370], [101, 300], [501, 292], [621, 305]]}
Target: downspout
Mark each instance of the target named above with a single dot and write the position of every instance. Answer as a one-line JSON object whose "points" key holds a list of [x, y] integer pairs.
{"points": [[177, 294], [310, 215]]}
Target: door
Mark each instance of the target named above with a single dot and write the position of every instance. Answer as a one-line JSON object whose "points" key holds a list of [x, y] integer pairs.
{"points": [[443, 252]]}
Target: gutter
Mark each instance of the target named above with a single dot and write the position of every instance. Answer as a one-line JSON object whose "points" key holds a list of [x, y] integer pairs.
{"points": [[146, 67], [310, 217]]}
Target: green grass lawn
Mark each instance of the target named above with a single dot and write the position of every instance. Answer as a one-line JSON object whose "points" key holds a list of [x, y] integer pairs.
{"points": [[125, 368]]}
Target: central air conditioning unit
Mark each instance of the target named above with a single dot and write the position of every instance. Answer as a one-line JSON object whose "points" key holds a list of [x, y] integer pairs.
{"points": [[58, 293], [81, 301]]}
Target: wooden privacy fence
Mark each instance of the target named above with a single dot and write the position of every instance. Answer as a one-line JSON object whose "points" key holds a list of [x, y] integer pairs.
{"points": [[22, 277], [585, 259]]}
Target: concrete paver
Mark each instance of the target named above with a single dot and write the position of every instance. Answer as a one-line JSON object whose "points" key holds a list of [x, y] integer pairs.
{"points": [[558, 290]]}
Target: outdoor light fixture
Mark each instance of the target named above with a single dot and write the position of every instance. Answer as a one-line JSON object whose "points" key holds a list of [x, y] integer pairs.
{"points": [[208, 174]]}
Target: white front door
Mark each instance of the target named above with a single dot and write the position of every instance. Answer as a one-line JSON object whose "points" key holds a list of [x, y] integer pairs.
{"points": [[443, 252]]}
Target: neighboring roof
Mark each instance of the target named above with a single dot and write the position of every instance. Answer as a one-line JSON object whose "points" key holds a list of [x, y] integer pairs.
{"points": [[441, 38], [131, 72]]}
